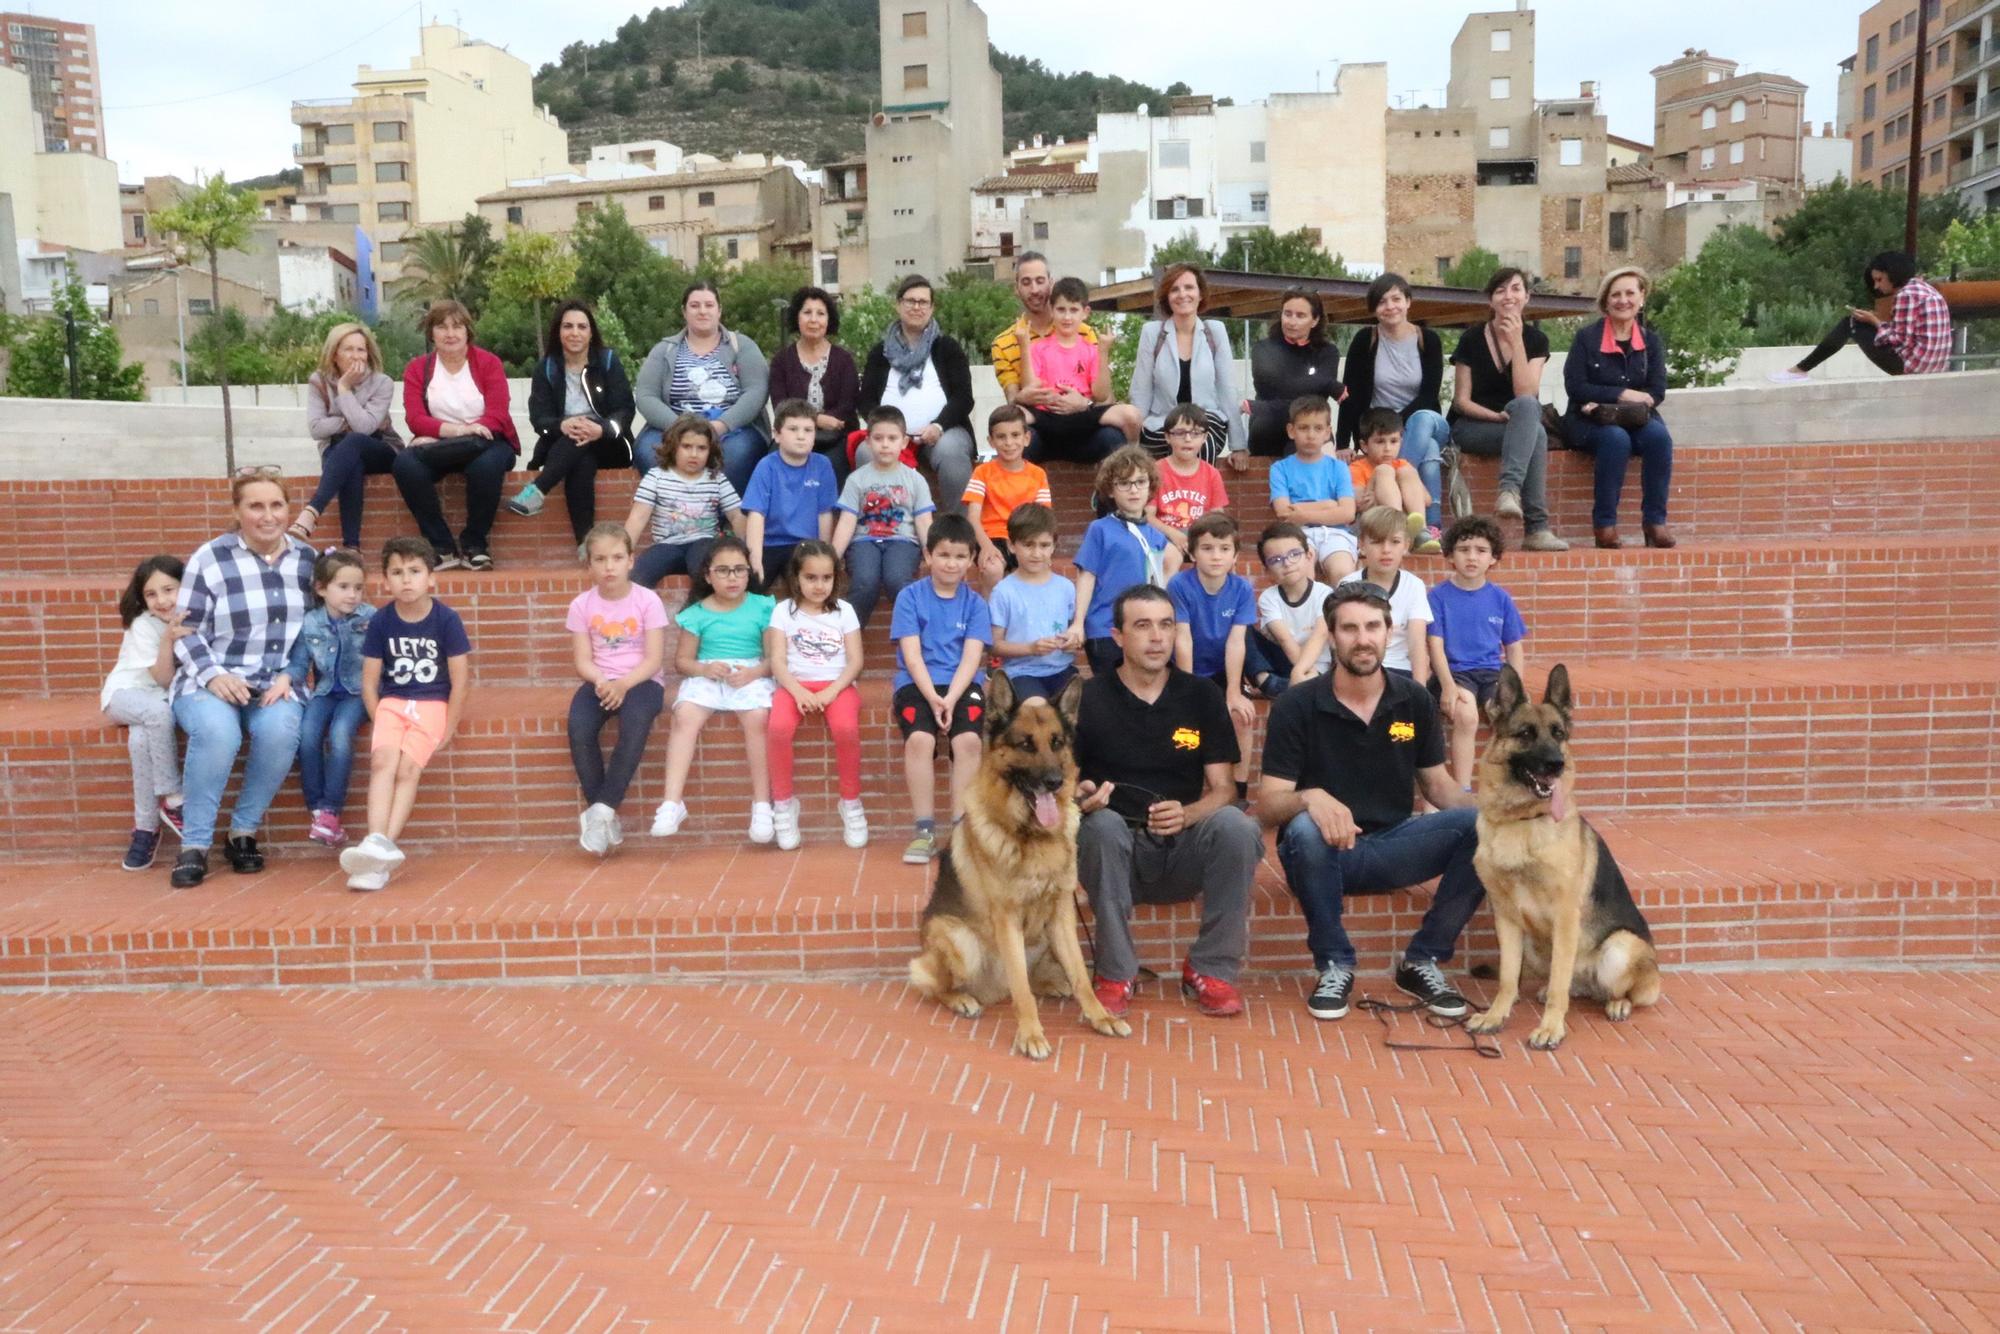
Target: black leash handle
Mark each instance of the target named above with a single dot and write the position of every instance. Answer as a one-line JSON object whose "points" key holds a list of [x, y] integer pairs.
{"points": [[1382, 1009]]}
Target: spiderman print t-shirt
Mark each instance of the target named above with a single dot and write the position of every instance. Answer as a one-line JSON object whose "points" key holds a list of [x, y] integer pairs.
{"points": [[886, 501]]}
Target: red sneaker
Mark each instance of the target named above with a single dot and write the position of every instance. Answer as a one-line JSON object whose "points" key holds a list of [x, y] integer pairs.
{"points": [[1216, 998], [1113, 996]]}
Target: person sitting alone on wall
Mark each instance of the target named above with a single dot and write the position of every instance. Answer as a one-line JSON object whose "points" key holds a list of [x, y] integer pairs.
{"points": [[1916, 340]]}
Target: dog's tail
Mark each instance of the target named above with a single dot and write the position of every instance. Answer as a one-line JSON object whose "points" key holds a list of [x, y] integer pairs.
{"points": [[1645, 979], [923, 974]]}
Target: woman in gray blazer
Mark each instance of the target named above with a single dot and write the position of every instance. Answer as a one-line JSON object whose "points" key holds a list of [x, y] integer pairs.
{"points": [[712, 372], [1184, 358]]}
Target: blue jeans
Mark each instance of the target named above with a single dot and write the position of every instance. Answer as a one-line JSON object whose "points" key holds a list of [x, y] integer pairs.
{"points": [[1614, 447], [664, 558], [326, 749], [1321, 876], [879, 569], [344, 470], [215, 734], [741, 448], [1424, 435]]}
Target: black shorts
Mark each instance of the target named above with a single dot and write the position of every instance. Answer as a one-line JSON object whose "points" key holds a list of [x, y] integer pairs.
{"points": [[1006, 551], [1066, 428], [1481, 681], [913, 712], [1042, 687]]}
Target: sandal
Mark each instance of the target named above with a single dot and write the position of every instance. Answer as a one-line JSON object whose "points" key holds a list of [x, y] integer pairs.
{"points": [[302, 527]]}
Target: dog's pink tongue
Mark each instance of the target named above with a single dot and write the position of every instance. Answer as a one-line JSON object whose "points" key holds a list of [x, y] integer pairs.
{"points": [[1558, 802], [1047, 813]]}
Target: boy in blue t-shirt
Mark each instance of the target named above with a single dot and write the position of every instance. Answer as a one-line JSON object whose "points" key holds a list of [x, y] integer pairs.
{"points": [[1119, 550], [1480, 629], [1033, 609], [791, 495], [1216, 607], [942, 629], [1314, 490]]}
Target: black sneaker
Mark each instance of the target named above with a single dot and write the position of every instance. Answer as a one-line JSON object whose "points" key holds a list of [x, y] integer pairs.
{"points": [[478, 560], [1423, 979], [244, 859], [1329, 998], [190, 869], [145, 842]]}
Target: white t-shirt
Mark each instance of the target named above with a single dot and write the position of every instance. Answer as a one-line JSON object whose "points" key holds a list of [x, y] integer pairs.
{"points": [[1302, 620], [921, 405], [1407, 602], [136, 656], [454, 396], [815, 643]]}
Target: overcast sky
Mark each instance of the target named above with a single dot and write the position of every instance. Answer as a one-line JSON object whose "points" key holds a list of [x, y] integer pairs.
{"points": [[175, 74]]}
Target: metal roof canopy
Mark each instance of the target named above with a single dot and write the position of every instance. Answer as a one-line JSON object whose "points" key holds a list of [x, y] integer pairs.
{"points": [[1233, 295]]}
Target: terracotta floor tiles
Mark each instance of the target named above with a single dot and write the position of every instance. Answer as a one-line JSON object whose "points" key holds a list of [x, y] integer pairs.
{"points": [[1761, 1149]]}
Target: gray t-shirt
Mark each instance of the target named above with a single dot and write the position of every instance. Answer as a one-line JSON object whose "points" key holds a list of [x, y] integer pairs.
{"points": [[575, 402], [1399, 371]]}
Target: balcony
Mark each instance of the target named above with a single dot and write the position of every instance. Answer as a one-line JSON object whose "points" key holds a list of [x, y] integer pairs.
{"points": [[1975, 111], [1959, 10], [1977, 165], [310, 150]]}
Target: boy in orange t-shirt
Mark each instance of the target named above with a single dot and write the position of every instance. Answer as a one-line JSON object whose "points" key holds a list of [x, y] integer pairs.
{"points": [[1382, 478], [998, 486]]}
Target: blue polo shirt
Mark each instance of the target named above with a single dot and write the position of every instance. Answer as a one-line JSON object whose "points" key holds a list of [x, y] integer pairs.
{"points": [[1211, 616], [941, 625], [791, 498], [1302, 483], [1476, 624]]}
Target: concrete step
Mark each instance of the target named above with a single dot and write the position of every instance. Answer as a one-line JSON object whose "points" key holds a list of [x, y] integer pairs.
{"points": [[1899, 731], [1833, 884], [1721, 493], [1834, 596]]}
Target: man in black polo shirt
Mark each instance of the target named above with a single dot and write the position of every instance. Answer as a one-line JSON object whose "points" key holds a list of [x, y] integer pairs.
{"points": [[1343, 755], [1155, 748]]}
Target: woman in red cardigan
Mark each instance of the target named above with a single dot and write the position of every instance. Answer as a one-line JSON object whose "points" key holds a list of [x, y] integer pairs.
{"points": [[455, 400]]}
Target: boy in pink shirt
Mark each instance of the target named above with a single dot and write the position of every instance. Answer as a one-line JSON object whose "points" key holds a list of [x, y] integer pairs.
{"points": [[1076, 370]]}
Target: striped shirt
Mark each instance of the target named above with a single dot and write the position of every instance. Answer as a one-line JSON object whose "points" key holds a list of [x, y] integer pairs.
{"points": [[1919, 328], [687, 509], [702, 383], [245, 612]]}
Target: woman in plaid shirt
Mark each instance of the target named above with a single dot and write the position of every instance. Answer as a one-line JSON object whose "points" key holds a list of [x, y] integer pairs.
{"points": [[1916, 340], [243, 598]]}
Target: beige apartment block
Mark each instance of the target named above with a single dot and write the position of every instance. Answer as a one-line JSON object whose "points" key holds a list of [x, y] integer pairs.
{"points": [[840, 225], [1960, 118], [137, 204], [1428, 176], [1328, 158], [1572, 139], [729, 214], [1711, 123], [1056, 214], [417, 147], [1493, 76], [935, 135], [66, 87], [60, 198]]}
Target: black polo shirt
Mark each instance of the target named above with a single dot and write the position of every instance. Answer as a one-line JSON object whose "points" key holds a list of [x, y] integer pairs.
{"points": [[1162, 747], [1371, 768]]}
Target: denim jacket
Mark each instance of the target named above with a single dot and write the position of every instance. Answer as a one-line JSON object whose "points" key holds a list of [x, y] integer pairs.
{"points": [[332, 651]]}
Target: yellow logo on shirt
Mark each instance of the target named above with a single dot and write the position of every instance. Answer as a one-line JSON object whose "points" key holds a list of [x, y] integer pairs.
{"points": [[1402, 731], [1186, 738]]}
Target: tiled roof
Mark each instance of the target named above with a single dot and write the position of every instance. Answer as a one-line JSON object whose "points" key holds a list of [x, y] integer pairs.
{"points": [[1050, 182], [1631, 173]]}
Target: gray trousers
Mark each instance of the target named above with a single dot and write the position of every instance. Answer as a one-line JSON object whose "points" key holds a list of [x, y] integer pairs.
{"points": [[950, 461], [1523, 447], [1214, 861], [149, 736]]}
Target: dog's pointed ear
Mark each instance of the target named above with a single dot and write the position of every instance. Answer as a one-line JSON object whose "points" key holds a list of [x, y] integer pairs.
{"points": [[1000, 703], [1557, 694], [1508, 695], [1070, 703]]}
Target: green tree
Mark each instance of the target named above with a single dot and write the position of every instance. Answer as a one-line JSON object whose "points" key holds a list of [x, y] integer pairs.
{"points": [[865, 315], [1971, 250], [1832, 235], [1262, 250], [1700, 312], [1471, 269], [731, 78], [754, 296], [533, 268], [608, 248], [224, 348], [203, 223], [450, 263], [974, 310], [1184, 249], [40, 365], [625, 101]]}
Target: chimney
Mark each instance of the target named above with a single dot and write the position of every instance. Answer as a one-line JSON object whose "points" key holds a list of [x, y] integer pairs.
{"points": [[1588, 89], [1038, 141]]}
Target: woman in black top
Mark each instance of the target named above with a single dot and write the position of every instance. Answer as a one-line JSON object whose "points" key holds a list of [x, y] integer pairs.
{"points": [[1399, 365], [1293, 360], [1496, 406], [580, 404]]}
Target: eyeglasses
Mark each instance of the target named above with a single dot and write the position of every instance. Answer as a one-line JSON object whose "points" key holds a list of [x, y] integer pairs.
{"points": [[257, 470], [1125, 483], [1189, 433], [920, 302], [727, 571], [1280, 561]]}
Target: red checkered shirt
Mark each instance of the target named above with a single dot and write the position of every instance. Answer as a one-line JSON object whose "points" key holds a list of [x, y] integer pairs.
{"points": [[1919, 329]]}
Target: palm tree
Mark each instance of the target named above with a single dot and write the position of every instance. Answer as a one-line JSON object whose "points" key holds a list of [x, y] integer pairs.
{"points": [[448, 263]]}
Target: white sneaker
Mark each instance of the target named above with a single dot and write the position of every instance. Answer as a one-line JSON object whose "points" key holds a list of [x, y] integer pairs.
{"points": [[368, 881], [853, 824], [762, 826], [373, 854], [1789, 376], [667, 819], [614, 828], [592, 836], [785, 819]]}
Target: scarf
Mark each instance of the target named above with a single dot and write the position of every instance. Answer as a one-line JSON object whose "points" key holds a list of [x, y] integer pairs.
{"points": [[908, 361]]}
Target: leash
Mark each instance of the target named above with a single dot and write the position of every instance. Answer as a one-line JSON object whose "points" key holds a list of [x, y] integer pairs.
{"points": [[1082, 903], [1382, 1010]]}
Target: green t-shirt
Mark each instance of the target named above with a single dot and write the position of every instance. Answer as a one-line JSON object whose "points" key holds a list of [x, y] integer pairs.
{"points": [[731, 636]]}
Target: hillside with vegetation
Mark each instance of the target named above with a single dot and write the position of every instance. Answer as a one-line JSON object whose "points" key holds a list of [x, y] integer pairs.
{"points": [[796, 77]]}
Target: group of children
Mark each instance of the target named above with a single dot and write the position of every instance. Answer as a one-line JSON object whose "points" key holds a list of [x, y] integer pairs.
{"points": [[773, 663]]}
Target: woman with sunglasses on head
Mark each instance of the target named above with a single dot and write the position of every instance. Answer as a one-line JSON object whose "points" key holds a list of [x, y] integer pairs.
{"points": [[1184, 358]]}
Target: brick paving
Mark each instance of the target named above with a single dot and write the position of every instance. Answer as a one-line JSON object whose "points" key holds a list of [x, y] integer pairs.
{"points": [[1808, 1149]]}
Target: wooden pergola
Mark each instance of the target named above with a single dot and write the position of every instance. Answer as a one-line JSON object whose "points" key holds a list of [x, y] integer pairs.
{"points": [[1250, 295]]}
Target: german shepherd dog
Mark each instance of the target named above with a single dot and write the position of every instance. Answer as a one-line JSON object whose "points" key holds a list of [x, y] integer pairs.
{"points": [[1001, 921], [1556, 891]]}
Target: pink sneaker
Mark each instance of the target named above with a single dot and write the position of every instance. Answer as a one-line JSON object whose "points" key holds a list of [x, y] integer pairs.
{"points": [[326, 829]]}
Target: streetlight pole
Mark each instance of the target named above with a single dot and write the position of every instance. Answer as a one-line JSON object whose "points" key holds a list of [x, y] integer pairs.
{"points": [[180, 330], [1916, 158]]}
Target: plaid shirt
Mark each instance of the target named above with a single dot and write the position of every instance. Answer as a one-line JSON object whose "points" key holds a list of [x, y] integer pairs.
{"points": [[1919, 328], [245, 612]]}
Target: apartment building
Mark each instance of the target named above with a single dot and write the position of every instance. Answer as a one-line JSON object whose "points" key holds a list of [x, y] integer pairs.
{"points": [[935, 136], [1711, 123], [840, 224], [58, 197], [65, 88], [417, 147], [1429, 176], [1964, 95]]}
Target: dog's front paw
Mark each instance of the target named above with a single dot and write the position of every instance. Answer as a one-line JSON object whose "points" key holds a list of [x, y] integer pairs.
{"points": [[1618, 1011], [1111, 1027], [962, 1005], [1490, 1021], [1032, 1044], [1548, 1036]]}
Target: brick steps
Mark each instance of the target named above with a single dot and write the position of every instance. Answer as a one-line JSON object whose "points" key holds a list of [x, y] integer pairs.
{"points": [[1717, 889], [1721, 493], [1842, 595], [1659, 735]]}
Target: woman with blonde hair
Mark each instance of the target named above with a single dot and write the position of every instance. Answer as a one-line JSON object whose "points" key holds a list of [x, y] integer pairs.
{"points": [[347, 411], [1616, 376]]}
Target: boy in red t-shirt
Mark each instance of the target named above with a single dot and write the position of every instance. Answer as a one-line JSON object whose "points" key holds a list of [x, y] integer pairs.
{"points": [[1189, 486]]}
